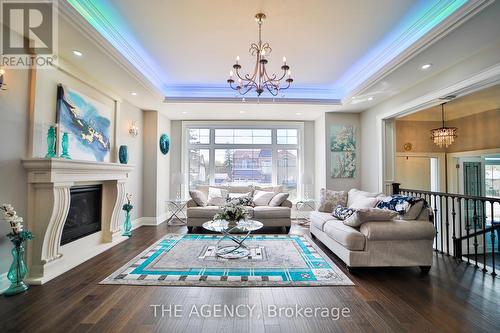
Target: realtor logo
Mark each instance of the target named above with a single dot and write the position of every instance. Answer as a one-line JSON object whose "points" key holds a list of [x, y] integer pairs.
{"points": [[29, 33]]}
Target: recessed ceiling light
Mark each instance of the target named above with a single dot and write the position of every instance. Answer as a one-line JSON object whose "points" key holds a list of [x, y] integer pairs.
{"points": [[298, 113], [370, 98], [77, 53], [184, 112], [426, 67], [133, 93], [242, 111]]}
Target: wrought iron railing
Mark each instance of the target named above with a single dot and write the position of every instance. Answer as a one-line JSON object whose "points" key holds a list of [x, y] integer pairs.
{"points": [[462, 225]]}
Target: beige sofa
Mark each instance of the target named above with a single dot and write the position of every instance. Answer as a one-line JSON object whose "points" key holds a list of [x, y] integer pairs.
{"points": [[376, 244], [270, 216]]}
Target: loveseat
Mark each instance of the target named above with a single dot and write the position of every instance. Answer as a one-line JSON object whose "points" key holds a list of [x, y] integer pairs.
{"points": [[270, 216], [403, 241]]}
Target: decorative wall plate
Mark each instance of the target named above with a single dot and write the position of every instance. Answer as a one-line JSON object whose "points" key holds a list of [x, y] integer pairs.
{"points": [[164, 144]]}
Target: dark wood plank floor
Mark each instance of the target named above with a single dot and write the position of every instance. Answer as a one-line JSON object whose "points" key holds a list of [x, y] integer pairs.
{"points": [[489, 261], [452, 298]]}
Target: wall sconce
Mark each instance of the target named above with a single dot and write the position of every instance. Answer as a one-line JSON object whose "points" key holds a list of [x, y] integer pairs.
{"points": [[3, 85], [133, 130]]}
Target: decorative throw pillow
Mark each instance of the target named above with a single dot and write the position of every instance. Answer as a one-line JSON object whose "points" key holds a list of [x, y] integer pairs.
{"points": [[330, 199], [243, 199], [262, 198], [341, 212], [400, 203], [414, 210], [369, 215], [355, 195], [275, 189], [278, 199], [232, 195], [216, 196], [364, 202], [199, 197]]}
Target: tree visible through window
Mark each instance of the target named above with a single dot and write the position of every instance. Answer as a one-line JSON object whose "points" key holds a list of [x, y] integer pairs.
{"points": [[244, 156]]}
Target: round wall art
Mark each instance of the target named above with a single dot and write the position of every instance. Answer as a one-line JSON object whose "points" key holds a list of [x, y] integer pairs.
{"points": [[164, 144]]}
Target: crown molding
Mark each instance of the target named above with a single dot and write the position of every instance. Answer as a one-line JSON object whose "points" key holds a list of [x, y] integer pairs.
{"points": [[86, 16], [396, 54], [208, 92], [253, 100], [74, 12]]}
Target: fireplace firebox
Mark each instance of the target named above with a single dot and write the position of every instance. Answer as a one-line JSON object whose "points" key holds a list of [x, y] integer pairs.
{"points": [[84, 216]]}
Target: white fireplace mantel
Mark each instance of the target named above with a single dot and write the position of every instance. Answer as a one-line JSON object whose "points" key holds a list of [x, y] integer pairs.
{"points": [[49, 183]]}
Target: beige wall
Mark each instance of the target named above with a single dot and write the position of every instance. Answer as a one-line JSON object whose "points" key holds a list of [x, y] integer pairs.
{"points": [[476, 132], [163, 169], [128, 114], [14, 146], [320, 155], [156, 169], [418, 134], [176, 159]]}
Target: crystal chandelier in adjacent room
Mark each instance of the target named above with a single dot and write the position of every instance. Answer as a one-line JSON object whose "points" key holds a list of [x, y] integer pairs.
{"points": [[260, 80], [443, 136]]}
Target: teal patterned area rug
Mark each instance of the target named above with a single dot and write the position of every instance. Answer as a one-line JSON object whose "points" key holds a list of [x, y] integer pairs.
{"points": [[189, 260]]}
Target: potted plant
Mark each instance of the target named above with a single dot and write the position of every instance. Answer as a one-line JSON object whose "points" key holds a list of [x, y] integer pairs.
{"points": [[18, 236], [232, 213]]}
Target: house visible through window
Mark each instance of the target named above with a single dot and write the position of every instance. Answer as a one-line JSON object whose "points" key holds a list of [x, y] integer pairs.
{"points": [[244, 156]]}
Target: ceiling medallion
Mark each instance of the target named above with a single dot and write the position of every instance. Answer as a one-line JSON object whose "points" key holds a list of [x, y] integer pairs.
{"points": [[443, 136], [260, 80]]}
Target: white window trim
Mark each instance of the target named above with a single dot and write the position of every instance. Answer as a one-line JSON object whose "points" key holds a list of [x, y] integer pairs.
{"points": [[273, 125]]}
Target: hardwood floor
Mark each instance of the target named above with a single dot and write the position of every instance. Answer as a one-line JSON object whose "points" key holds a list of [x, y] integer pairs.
{"points": [[452, 298]]}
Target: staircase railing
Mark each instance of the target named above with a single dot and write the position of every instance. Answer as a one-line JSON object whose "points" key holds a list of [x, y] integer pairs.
{"points": [[461, 221]]}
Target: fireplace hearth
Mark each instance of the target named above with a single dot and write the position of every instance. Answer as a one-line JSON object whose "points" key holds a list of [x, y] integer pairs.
{"points": [[84, 215]]}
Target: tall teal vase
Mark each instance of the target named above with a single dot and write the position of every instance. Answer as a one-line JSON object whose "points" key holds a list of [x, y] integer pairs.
{"points": [[127, 225], [65, 146], [17, 271], [123, 154], [51, 142]]}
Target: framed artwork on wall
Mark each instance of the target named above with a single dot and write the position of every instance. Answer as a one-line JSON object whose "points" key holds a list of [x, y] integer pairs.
{"points": [[89, 125], [343, 151]]}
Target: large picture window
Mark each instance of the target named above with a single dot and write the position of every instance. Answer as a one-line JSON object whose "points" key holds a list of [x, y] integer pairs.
{"points": [[244, 155]]}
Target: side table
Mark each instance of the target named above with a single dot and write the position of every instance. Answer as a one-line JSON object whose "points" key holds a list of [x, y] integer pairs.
{"points": [[176, 209], [302, 209]]}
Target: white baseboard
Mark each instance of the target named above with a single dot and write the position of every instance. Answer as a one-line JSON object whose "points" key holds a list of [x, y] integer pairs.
{"points": [[153, 221], [137, 223], [4, 282]]}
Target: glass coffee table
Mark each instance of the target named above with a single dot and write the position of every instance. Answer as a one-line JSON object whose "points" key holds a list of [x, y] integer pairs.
{"points": [[239, 249]]}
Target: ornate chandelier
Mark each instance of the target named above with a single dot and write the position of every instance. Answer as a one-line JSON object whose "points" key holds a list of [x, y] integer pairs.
{"points": [[260, 80], [443, 136]]}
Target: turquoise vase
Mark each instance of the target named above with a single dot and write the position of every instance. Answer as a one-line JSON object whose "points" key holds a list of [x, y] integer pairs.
{"points": [[127, 225], [51, 143], [17, 271], [123, 154], [65, 146]]}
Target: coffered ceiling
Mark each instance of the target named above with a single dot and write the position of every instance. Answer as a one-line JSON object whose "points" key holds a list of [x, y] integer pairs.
{"points": [[336, 49]]}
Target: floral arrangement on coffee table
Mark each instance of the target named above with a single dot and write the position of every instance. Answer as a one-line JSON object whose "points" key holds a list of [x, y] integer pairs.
{"points": [[232, 213]]}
